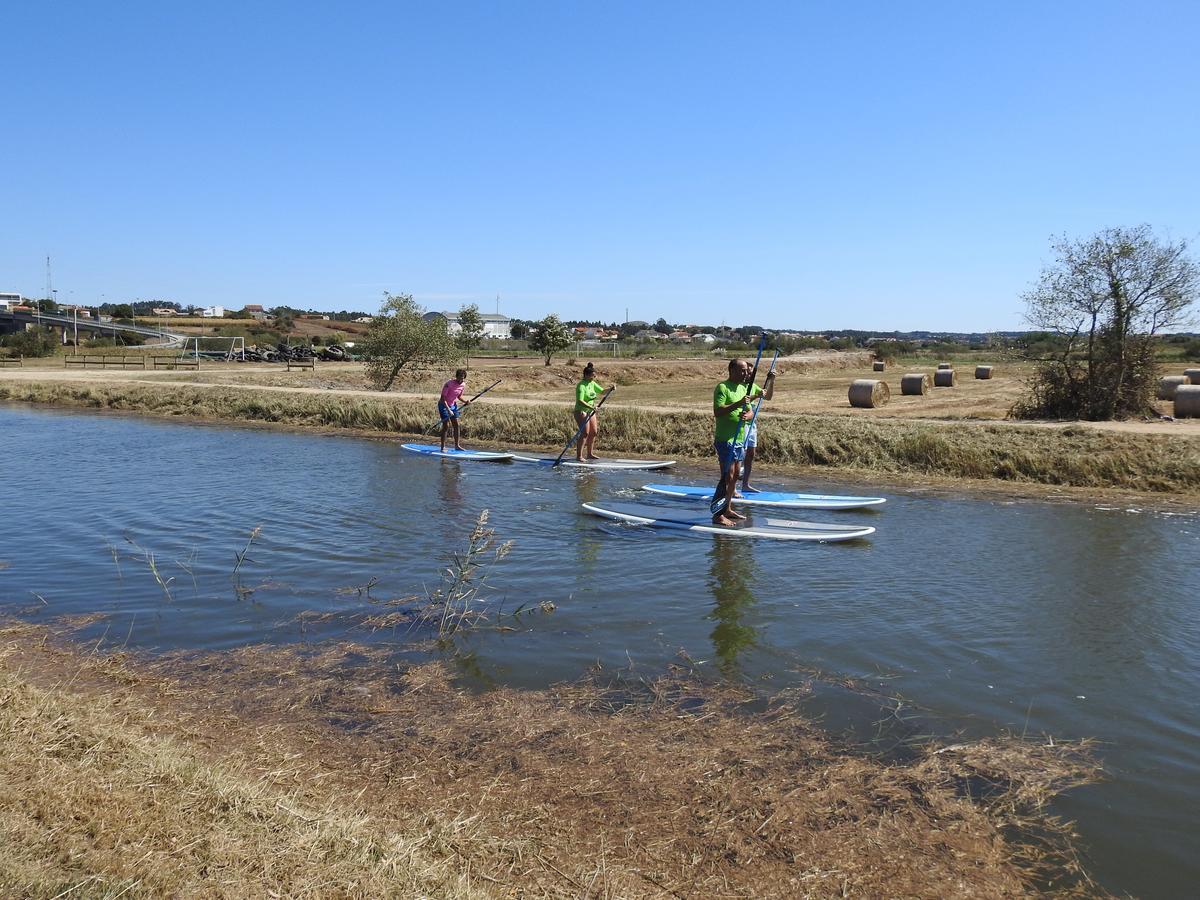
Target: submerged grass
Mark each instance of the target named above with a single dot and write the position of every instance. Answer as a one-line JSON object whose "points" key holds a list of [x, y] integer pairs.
{"points": [[1075, 456], [331, 771]]}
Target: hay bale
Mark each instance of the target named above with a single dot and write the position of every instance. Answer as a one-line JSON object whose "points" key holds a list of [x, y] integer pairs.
{"points": [[879, 365], [1187, 401], [1168, 384], [984, 372], [914, 384], [944, 378], [867, 393], [1192, 375], [945, 365]]}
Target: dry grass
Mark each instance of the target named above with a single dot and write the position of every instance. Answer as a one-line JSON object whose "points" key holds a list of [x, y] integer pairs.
{"points": [[1076, 456], [335, 773]]}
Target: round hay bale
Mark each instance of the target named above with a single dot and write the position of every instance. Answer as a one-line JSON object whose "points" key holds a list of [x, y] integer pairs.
{"points": [[945, 365], [914, 384], [1187, 401], [867, 393], [944, 378], [984, 372], [879, 365], [1192, 375], [1168, 384]]}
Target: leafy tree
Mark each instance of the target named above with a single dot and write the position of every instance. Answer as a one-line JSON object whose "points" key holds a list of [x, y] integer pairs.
{"points": [[470, 329], [662, 326], [122, 311], [1106, 297], [35, 342], [284, 316], [549, 336], [400, 336], [518, 330]]}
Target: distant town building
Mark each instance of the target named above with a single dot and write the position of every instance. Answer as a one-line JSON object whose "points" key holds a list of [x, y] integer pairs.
{"points": [[320, 317], [680, 337], [704, 338], [81, 312], [8, 301], [256, 311], [164, 311], [365, 320], [494, 325], [212, 312]]}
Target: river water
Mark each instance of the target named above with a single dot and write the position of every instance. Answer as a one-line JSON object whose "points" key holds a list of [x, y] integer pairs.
{"points": [[1071, 620]]}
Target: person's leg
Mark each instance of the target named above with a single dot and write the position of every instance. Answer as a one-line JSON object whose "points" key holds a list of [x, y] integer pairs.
{"points": [[723, 495], [445, 422], [749, 462], [593, 430], [454, 424], [580, 444]]}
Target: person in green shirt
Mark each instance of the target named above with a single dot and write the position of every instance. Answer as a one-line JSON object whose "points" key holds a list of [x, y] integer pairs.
{"points": [[587, 392], [731, 410]]}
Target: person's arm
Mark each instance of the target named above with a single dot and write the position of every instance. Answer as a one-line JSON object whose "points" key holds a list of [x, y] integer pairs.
{"points": [[769, 385], [719, 409]]}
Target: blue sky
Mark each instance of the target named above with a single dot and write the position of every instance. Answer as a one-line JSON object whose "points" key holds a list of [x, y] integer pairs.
{"points": [[859, 165]]}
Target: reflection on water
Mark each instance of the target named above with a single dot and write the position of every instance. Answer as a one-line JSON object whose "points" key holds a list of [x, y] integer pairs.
{"points": [[731, 580], [1052, 619]]}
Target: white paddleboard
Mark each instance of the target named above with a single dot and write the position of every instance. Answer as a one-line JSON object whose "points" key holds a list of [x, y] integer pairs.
{"points": [[606, 463], [775, 529], [781, 499], [451, 453]]}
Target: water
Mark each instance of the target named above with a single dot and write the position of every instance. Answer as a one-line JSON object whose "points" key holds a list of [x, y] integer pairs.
{"points": [[1071, 620]]}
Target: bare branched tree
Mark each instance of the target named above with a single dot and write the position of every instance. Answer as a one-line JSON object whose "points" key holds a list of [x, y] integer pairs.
{"points": [[1106, 296]]}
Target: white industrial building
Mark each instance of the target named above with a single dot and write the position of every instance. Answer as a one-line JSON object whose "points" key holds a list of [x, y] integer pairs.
{"points": [[495, 325]]}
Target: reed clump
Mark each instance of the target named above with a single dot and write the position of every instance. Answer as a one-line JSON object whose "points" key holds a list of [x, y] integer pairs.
{"points": [[331, 770], [1077, 457]]}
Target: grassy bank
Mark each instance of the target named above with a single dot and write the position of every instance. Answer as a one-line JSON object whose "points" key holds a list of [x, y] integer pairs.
{"points": [[1076, 456], [266, 772]]}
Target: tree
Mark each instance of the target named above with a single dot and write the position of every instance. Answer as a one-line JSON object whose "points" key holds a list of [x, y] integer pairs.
{"points": [[549, 336], [470, 329], [518, 330], [401, 336], [285, 317], [662, 326], [1105, 297]]}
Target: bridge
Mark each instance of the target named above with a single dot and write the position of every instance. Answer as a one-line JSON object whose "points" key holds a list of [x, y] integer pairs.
{"points": [[13, 322]]}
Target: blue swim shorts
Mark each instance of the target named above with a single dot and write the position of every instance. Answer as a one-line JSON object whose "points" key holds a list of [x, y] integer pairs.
{"points": [[447, 412], [729, 452]]}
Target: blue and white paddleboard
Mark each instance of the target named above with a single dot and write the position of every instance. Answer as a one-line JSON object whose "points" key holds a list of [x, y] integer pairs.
{"points": [[606, 463], [780, 499], [775, 529], [451, 453]]}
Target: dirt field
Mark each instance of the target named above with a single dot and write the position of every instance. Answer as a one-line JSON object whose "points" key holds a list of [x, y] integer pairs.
{"points": [[815, 384]]}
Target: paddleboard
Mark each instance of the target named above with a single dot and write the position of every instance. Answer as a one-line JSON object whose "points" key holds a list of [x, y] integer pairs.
{"points": [[779, 499], [451, 453], [776, 529], [606, 463]]}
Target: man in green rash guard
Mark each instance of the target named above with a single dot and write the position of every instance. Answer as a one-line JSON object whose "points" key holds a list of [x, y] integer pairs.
{"points": [[587, 392], [731, 410]]}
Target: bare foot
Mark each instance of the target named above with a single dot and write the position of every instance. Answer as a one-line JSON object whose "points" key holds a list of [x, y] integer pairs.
{"points": [[750, 490], [594, 456], [735, 515], [723, 521], [458, 448]]}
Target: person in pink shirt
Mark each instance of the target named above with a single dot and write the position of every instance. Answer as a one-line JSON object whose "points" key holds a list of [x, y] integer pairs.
{"points": [[448, 409]]}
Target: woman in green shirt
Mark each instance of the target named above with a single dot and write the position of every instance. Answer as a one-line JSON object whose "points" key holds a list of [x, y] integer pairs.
{"points": [[587, 392]]}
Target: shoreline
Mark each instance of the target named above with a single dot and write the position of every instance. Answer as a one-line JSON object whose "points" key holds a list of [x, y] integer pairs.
{"points": [[285, 769], [1161, 472]]}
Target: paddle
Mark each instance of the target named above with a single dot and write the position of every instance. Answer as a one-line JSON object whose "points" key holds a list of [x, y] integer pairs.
{"points": [[429, 429], [583, 424], [758, 403], [720, 501]]}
